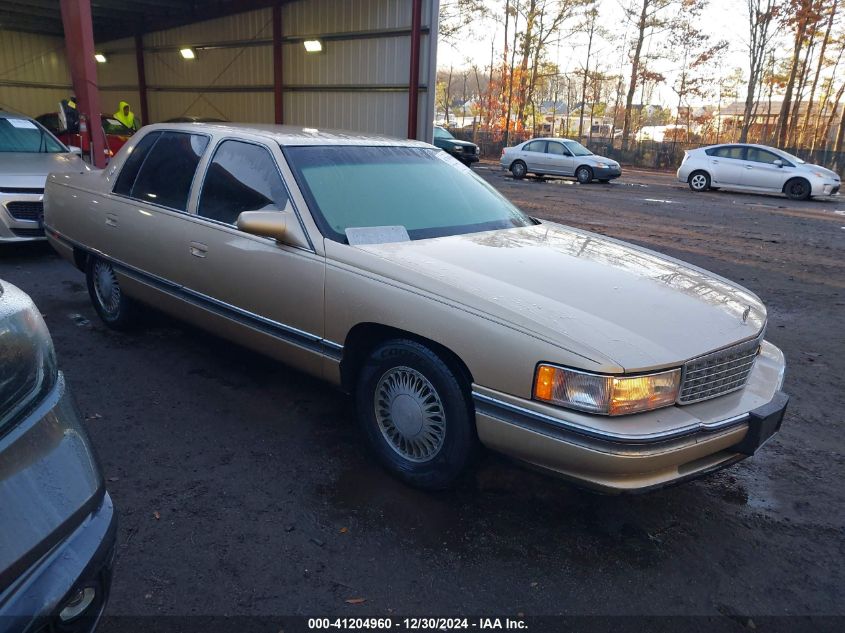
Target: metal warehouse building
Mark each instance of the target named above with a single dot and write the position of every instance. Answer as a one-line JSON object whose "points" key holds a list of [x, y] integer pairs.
{"points": [[373, 69]]}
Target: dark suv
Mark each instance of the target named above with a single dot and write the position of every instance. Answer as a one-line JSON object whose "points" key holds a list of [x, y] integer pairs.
{"points": [[57, 522], [464, 151]]}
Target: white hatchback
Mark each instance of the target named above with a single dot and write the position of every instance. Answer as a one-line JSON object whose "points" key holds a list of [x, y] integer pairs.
{"points": [[756, 168]]}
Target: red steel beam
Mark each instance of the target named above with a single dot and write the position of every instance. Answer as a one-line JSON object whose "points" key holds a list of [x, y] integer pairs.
{"points": [[79, 44], [414, 79], [142, 79], [278, 72]]}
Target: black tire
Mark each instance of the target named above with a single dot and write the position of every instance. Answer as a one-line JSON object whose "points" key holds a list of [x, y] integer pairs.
{"points": [[400, 374], [584, 175], [797, 189], [113, 306], [699, 181], [519, 170]]}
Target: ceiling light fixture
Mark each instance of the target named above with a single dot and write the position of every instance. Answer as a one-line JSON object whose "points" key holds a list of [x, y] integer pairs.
{"points": [[313, 46]]}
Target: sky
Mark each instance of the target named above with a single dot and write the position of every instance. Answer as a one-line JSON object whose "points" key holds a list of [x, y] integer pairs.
{"points": [[722, 19]]}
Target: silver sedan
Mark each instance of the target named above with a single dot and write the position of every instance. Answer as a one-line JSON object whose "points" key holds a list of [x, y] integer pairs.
{"points": [[558, 157]]}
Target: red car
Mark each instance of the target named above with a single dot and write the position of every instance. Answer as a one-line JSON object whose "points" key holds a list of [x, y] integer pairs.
{"points": [[116, 133]]}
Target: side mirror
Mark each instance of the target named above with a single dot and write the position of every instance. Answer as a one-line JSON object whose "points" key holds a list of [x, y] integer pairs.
{"points": [[75, 150], [272, 224], [778, 162]]}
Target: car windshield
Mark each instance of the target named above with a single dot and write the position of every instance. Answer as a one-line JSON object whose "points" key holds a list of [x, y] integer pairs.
{"points": [[577, 149], [440, 132], [25, 135], [424, 190], [113, 126]]}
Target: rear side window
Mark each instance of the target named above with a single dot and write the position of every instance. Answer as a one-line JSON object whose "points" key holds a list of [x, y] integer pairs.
{"points": [[730, 151], [168, 171], [535, 146], [241, 177], [133, 164]]}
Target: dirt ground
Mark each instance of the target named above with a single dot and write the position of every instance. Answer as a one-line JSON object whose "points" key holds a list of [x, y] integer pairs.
{"points": [[242, 487]]}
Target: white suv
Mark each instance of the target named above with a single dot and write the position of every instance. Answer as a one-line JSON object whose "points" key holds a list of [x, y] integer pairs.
{"points": [[756, 168]]}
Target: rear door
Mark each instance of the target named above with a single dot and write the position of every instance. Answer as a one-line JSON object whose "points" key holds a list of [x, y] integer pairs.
{"points": [[144, 225], [273, 287], [727, 164], [534, 155]]}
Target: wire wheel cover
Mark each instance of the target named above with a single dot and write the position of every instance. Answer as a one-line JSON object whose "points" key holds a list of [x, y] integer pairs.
{"points": [[107, 288], [410, 414]]}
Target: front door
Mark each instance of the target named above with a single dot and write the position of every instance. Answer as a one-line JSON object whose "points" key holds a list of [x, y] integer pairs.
{"points": [[762, 172], [559, 159], [273, 290]]}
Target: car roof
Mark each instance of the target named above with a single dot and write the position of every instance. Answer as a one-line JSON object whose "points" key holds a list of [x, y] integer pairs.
{"points": [[292, 135], [547, 138], [7, 114]]}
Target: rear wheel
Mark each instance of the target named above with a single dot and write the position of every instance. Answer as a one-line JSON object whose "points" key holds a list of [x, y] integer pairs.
{"points": [[415, 414], [584, 175], [519, 170], [115, 309], [699, 181], [797, 189]]}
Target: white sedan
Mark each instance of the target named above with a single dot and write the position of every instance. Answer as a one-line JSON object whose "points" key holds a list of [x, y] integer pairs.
{"points": [[755, 168], [558, 157]]}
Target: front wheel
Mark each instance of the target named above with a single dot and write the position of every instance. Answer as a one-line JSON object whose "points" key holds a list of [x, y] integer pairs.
{"points": [[415, 415], [584, 175], [797, 189], [115, 309], [699, 181]]}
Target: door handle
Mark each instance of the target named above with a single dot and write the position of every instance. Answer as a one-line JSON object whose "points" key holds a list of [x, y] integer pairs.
{"points": [[198, 249], [749, 167], [111, 219], [715, 162]]}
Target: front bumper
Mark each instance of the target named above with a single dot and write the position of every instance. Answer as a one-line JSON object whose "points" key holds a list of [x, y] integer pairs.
{"points": [[639, 452], [826, 188], [606, 173], [21, 227], [58, 525]]}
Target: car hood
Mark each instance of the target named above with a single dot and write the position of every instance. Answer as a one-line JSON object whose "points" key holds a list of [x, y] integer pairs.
{"points": [[595, 159], [581, 291], [30, 169], [807, 167], [457, 142]]}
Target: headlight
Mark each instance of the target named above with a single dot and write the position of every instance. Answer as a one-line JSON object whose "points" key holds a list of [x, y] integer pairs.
{"points": [[605, 395], [605, 165], [820, 174], [26, 355]]}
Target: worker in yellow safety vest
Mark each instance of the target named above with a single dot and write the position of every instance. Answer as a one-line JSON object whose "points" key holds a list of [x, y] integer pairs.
{"points": [[127, 117]]}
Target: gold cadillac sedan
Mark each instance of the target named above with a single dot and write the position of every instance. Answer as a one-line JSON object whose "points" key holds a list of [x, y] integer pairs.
{"points": [[392, 271]]}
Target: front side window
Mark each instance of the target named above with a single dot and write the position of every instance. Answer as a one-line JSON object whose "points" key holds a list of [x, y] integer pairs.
{"points": [[758, 155], [423, 190], [576, 149], [18, 134], [555, 148], [241, 177], [167, 172]]}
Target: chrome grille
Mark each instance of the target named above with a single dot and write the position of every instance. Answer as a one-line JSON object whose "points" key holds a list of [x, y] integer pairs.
{"points": [[718, 373]]}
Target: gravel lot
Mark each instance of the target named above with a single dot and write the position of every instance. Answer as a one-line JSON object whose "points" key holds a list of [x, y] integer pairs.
{"points": [[242, 487]]}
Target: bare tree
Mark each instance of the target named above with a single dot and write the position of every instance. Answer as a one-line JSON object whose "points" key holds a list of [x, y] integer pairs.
{"points": [[762, 28], [647, 17], [825, 41]]}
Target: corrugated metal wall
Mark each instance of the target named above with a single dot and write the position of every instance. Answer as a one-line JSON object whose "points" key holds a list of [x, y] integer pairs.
{"points": [[358, 82]]}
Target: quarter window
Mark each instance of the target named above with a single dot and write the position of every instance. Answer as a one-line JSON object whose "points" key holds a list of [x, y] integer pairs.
{"points": [[241, 177], [166, 175]]}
